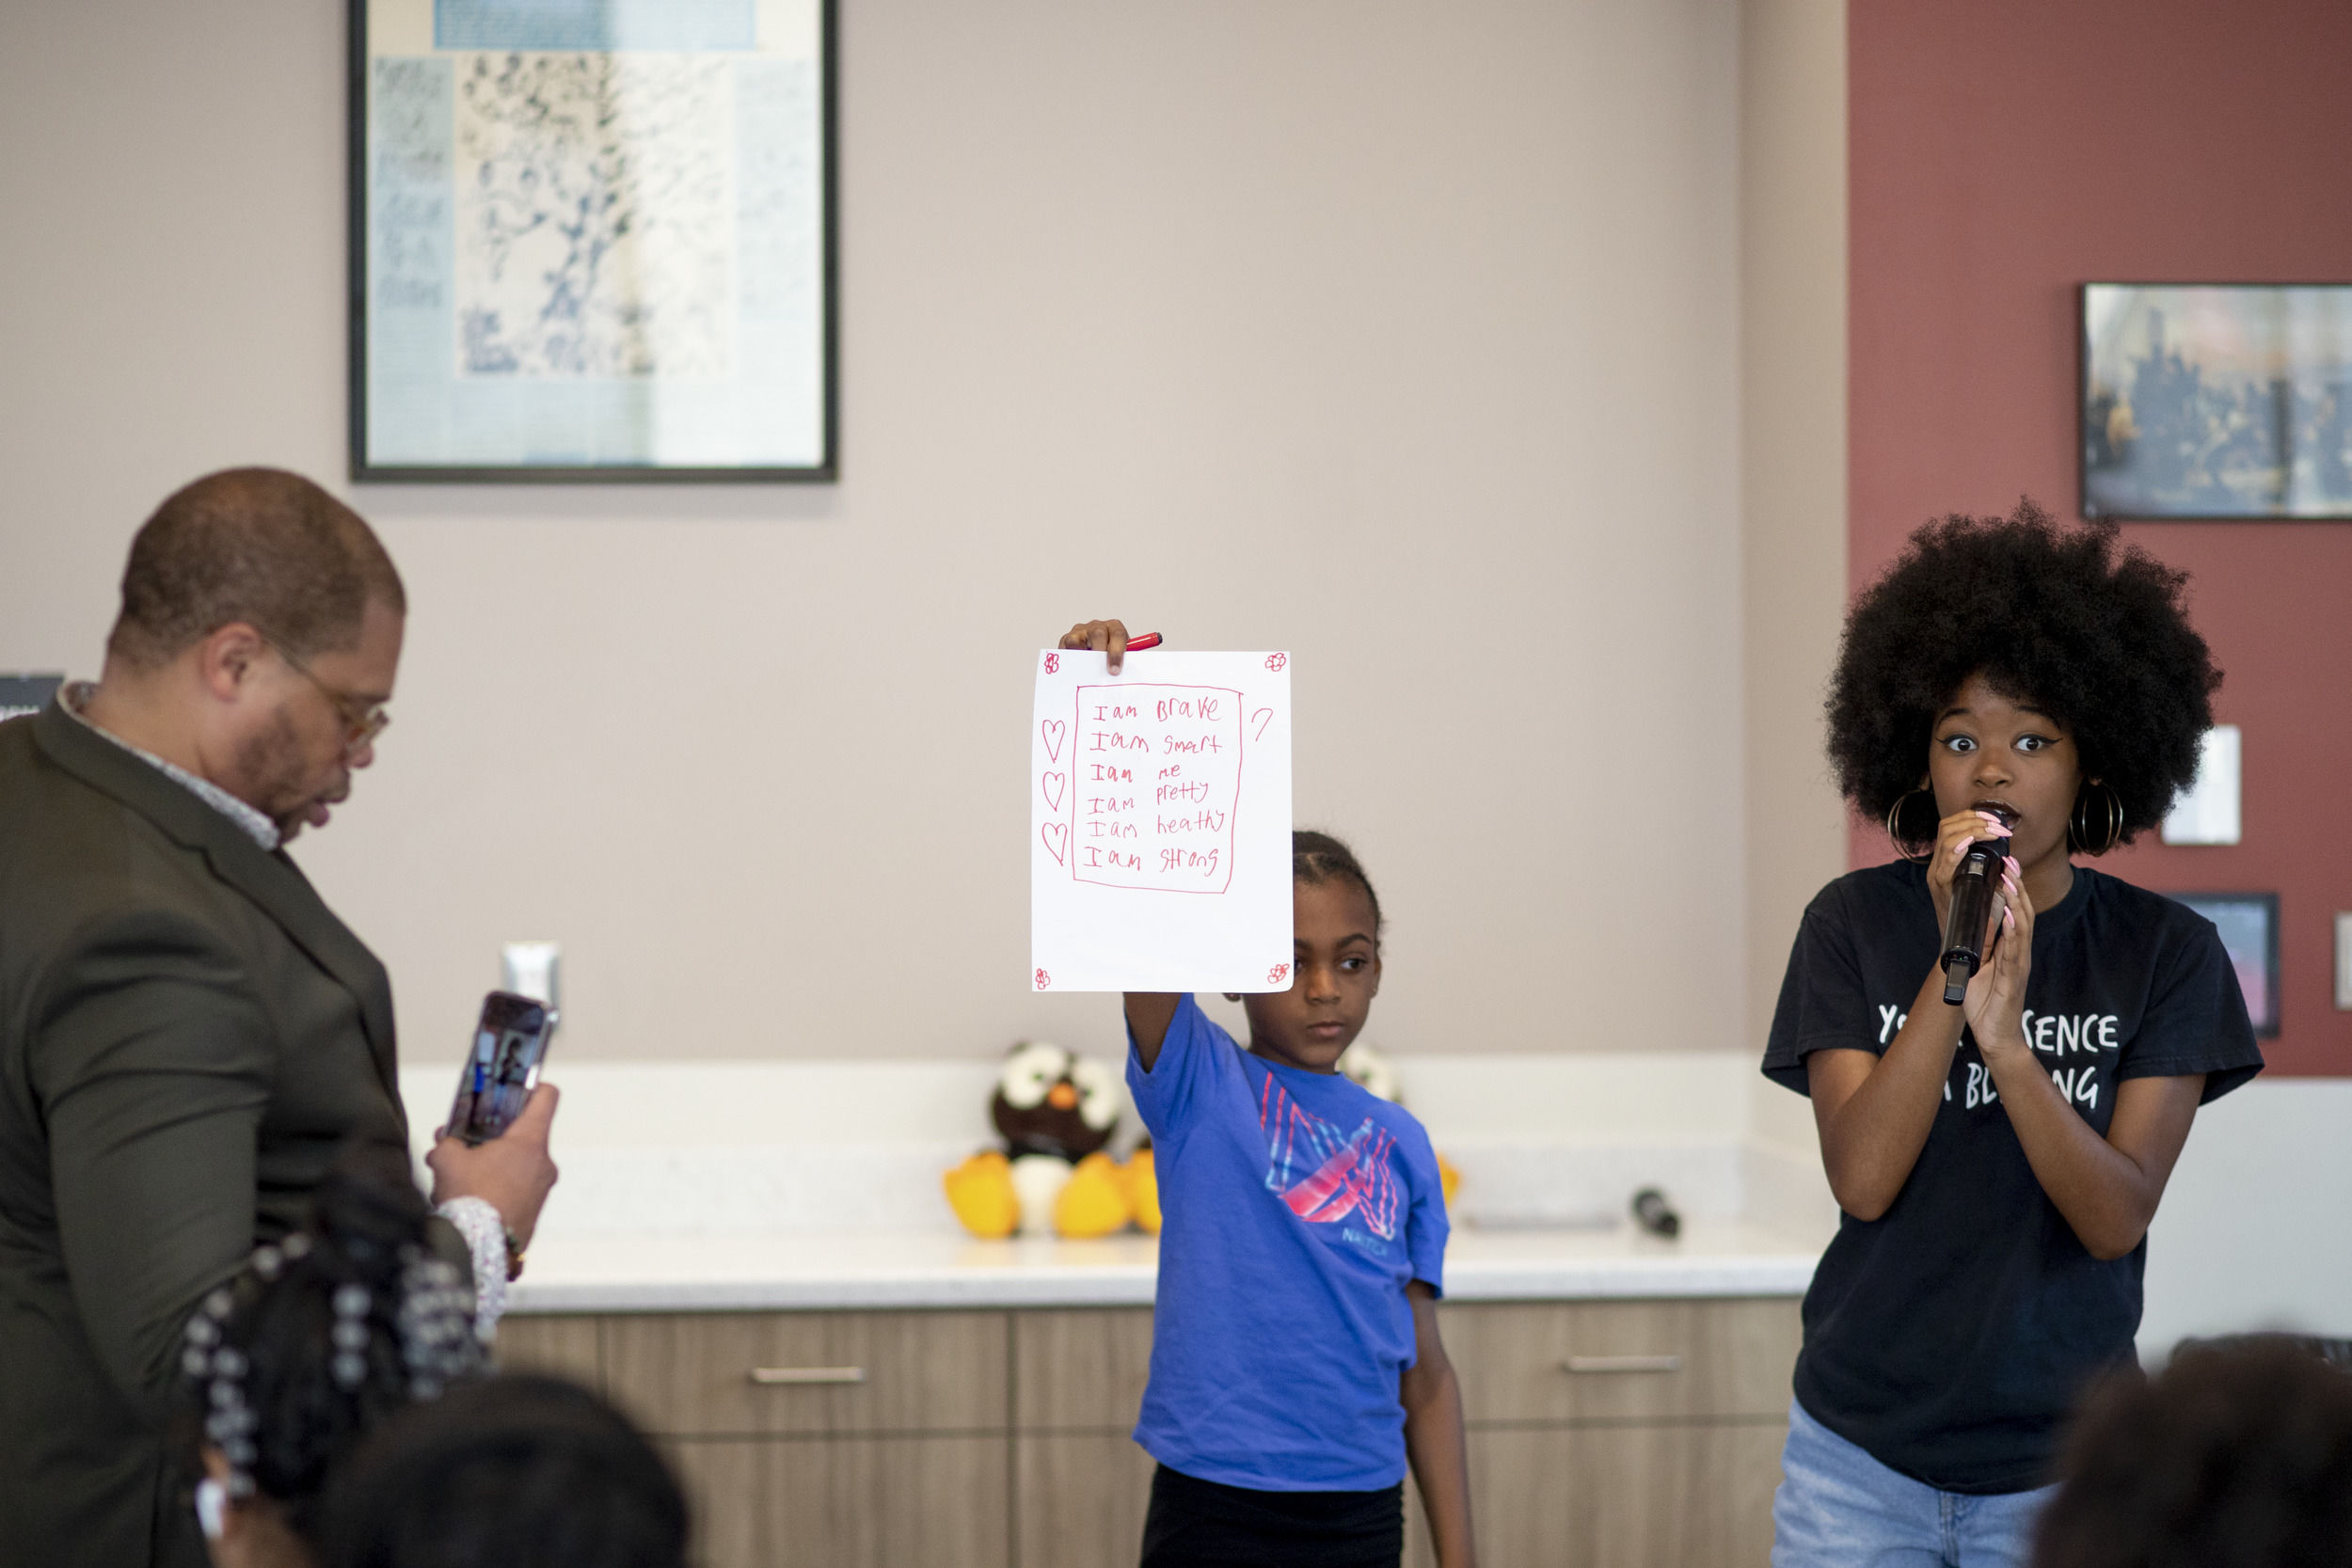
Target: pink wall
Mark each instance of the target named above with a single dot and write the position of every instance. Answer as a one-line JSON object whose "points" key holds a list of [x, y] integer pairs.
{"points": [[2003, 152]]}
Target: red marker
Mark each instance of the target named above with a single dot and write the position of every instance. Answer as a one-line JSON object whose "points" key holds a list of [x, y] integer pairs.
{"points": [[1149, 639]]}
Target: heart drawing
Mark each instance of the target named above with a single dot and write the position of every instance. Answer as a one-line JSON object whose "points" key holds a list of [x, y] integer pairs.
{"points": [[1053, 782], [1057, 837], [1051, 730]]}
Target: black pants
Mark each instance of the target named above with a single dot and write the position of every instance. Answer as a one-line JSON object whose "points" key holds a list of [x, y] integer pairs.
{"points": [[1201, 1523]]}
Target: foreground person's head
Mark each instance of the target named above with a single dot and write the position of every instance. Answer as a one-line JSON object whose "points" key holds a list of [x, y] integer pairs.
{"points": [[320, 1340], [2237, 1456], [508, 1472]]}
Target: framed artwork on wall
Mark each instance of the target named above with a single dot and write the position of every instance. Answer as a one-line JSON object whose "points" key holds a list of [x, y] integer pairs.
{"points": [[2217, 401], [2248, 924], [593, 239]]}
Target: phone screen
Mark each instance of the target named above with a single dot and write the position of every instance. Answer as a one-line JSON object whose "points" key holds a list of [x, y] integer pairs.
{"points": [[509, 1043]]}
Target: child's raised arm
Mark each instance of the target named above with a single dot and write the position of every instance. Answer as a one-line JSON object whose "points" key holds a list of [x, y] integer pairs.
{"points": [[1149, 1014]]}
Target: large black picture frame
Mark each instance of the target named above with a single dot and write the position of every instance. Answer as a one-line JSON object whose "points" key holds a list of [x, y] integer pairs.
{"points": [[2215, 401], [577, 423]]}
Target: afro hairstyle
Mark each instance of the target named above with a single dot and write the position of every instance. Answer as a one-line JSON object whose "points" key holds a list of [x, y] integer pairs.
{"points": [[2086, 628], [2239, 1455]]}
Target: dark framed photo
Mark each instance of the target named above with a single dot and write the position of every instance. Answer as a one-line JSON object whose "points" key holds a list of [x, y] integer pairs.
{"points": [[2248, 924], [2217, 401], [593, 239]]}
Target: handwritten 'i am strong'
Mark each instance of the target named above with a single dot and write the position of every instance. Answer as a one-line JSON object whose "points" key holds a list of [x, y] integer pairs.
{"points": [[1157, 773]]}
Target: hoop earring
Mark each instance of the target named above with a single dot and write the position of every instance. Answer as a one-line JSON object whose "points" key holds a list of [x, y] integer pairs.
{"points": [[2078, 833], [1902, 845]]}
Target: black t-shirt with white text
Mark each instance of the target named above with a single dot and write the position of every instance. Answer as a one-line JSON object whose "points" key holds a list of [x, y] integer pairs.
{"points": [[1948, 1338]]}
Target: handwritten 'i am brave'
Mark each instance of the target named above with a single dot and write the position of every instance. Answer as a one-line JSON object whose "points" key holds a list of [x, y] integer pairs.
{"points": [[1155, 773]]}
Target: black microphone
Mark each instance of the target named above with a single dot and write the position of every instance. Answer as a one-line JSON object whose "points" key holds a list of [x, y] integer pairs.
{"points": [[1975, 880], [1655, 1214]]}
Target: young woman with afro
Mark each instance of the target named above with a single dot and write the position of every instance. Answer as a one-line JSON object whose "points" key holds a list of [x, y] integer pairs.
{"points": [[1997, 1162]]}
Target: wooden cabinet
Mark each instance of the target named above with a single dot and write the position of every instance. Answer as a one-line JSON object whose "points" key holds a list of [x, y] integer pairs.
{"points": [[565, 1347], [1078, 1498], [1608, 1434], [1695, 1496], [1622, 1360], [1081, 1369], [1623, 1434], [1080, 1483], [848, 1502], [772, 1374]]}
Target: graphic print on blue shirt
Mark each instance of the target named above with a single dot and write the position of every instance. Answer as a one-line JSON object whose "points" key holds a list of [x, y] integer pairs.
{"points": [[1295, 1209], [1327, 1177]]}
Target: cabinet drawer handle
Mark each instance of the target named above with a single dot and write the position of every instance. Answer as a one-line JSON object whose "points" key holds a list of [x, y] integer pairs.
{"points": [[801, 1377], [1623, 1364]]}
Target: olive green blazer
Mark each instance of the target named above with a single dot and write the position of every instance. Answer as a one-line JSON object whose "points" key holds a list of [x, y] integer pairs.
{"points": [[187, 1035]]}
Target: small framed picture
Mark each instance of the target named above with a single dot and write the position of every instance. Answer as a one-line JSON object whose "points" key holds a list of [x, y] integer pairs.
{"points": [[592, 240], [2217, 401], [2249, 923]]}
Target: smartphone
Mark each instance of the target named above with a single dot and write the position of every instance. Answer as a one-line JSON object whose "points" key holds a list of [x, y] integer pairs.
{"points": [[509, 1043]]}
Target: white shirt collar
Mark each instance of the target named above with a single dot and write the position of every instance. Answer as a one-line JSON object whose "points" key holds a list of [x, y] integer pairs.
{"points": [[74, 695]]}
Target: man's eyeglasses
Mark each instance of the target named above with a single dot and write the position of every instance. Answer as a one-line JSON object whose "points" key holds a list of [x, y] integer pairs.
{"points": [[362, 722]]}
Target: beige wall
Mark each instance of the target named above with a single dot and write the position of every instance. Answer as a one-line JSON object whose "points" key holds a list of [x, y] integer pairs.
{"points": [[1792, 351], [1405, 336]]}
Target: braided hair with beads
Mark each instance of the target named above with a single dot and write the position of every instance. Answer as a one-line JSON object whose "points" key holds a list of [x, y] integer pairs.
{"points": [[324, 1333]]}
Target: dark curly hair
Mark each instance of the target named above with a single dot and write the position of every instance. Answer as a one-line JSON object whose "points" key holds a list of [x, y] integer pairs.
{"points": [[1318, 858], [2238, 1456], [509, 1471], [324, 1334], [2088, 628]]}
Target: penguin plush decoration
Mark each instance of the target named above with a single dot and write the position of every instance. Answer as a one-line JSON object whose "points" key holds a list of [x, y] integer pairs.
{"points": [[1053, 1110], [1053, 1175], [1049, 1102]]}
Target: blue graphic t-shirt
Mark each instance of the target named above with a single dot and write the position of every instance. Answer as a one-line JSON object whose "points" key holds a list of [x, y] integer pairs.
{"points": [[1295, 1208]]}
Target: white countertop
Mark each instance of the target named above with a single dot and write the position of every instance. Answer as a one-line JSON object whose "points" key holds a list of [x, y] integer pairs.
{"points": [[753, 1187], [770, 1271]]}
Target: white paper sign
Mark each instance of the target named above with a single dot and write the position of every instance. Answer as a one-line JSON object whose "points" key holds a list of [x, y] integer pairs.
{"points": [[1160, 822]]}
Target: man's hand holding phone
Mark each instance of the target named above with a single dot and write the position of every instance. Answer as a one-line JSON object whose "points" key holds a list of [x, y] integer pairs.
{"points": [[512, 1172]]}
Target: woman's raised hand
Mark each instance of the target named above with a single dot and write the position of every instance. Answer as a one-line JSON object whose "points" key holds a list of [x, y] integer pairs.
{"points": [[1103, 637], [1952, 837], [1996, 1005]]}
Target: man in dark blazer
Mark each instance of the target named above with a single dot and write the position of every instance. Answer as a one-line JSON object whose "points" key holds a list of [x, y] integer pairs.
{"points": [[187, 1033]]}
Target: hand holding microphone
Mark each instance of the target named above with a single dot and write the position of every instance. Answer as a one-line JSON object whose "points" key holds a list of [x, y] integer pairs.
{"points": [[1974, 882]]}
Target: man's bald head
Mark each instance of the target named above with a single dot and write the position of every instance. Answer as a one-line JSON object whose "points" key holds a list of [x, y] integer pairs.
{"points": [[259, 546]]}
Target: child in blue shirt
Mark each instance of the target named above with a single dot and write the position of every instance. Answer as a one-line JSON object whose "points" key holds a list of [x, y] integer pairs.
{"points": [[1295, 1362]]}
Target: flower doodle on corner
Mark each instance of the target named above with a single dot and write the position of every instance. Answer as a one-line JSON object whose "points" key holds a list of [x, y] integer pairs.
{"points": [[1276, 661], [1044, 980], [1053, 662], [1278, 974]]}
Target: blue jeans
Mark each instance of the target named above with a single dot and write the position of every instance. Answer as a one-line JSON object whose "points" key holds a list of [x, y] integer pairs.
{"points": [[1838, 1508]]}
